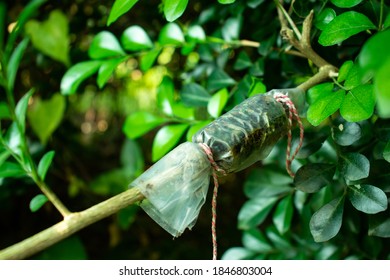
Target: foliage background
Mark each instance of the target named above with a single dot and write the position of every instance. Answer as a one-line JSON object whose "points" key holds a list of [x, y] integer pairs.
{"points": [[98, 151]]}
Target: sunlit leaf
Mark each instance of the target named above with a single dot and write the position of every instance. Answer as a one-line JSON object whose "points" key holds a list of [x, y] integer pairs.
{"points": [[166, 138], [135, 38], [106, 69], [231, 29], [171, 34], [140, 123], [147, 60], [105, 45], [196, 33], [217, 102], [346, 3], [173, 9], [119, 8], [37, 202], [344, 70], [324, 17]]}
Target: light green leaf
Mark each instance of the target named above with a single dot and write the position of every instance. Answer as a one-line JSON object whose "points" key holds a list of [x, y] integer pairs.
{"points": [[326, 222], [46, 115], [324, 17], [21, 109], [147, 60], [77, 74], [231, 29], [255, 240], [44, 164], [105, 45], [4, 155], [344, 70], [173, 9], [226, 1], [325, 105], [196, 33], [355, 166], [283, 215], [13, 139], [119, 8], [37, 202], [217, 102], [254, 212], [382, 89], [219, 79], [135, 38], [195, 128], [257, 87], [140, 123], [165, 95], [171, 34], [14, 62], [358, 104], [238, 253], [317, 91], [343, 27], [367, 198], [386, 23], [346, 3], [353, 78], [312, 177], [10, 169], [106, 69], [193, 94], [51, 36], [166, 138]]}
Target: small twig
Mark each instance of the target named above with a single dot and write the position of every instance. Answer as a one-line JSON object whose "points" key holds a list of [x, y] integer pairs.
{"points": [[323, 74], [53, 198]]}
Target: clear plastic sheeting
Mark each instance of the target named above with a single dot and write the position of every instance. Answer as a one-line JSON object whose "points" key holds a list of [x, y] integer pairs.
{"points": [[175, 188]]}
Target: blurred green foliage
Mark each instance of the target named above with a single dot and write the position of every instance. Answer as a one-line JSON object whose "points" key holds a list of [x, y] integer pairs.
{"points": [[138, 77]]}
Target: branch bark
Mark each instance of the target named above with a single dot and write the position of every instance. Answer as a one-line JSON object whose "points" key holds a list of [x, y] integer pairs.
{"points": [[71, 224]]}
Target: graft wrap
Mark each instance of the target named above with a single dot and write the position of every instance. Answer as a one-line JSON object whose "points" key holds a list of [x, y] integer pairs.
{"points": [[176, 186]]}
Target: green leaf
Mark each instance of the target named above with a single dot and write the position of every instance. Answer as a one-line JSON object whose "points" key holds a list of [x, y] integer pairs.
{"points": [[231, 29], [217, 102], [4, 111], [346, 3], [254, 240], [77, 74], [283, 214], [382, 90], [44, 164], [324, 17], [367, 198], [226, 1], [4, 155], [21, 109], [46, 115], [386, 23], [173, 9], [196, 33], [51, 36], [379, 226], [147, 60], [135, 38], [171, 34], [257, 87], [140, 123], [344, 70], [318, 91], [346, 133], [70, 248], [10, 169], [325, 105], [238, 253], [195, 128], [13, 139], [14, 62], [166, 138], [344, 26], [218, 80], [353, 78], [165, 95], [312, 177], [254, 212], [106, 69], [243, 61], [386, 152], [37, 202], [355, 166], [127, 216], [193, 94], [326, 222], [358, 104], [105, 45], [119, 8]]}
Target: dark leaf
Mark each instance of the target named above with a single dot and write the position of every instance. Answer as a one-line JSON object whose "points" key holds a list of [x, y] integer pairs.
{"points": [[312, 177], [194, 95], [346, 133], [355, 166], [367, 198], [254, 212], [283, 215], [219, 79]]}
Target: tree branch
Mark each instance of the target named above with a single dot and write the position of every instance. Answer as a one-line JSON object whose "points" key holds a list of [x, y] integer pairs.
{"points": [[71, 224]]}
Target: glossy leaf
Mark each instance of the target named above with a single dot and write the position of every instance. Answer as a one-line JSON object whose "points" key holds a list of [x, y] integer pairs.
{"points": [[254, 212], [326, 222], [119, 8], [325, 105], [312, 177], [171, 34], [10, 169], [368, 199], [355, 166], [318, 91], [21, 109], [346, 3], [344, 70], [226, 1], [343, 27], [77, 74], [13, 139], [140, 123], [135, 38], [382, 90], [173, 9], [147, 60], [346, 133], [257, 87], [324, 17], [238, 253], [353, 78], [44, 164], [166, 138], [46, 115], [193, 94], [165, 96], [255, 240], [51, 36], [106, 69], [14, 62], [195, 128], [358, 104], [196, 33], [217, 102], [218, 80], [105, 45], [231, 29], [283, 214], [37, 202], [4, 155]]}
